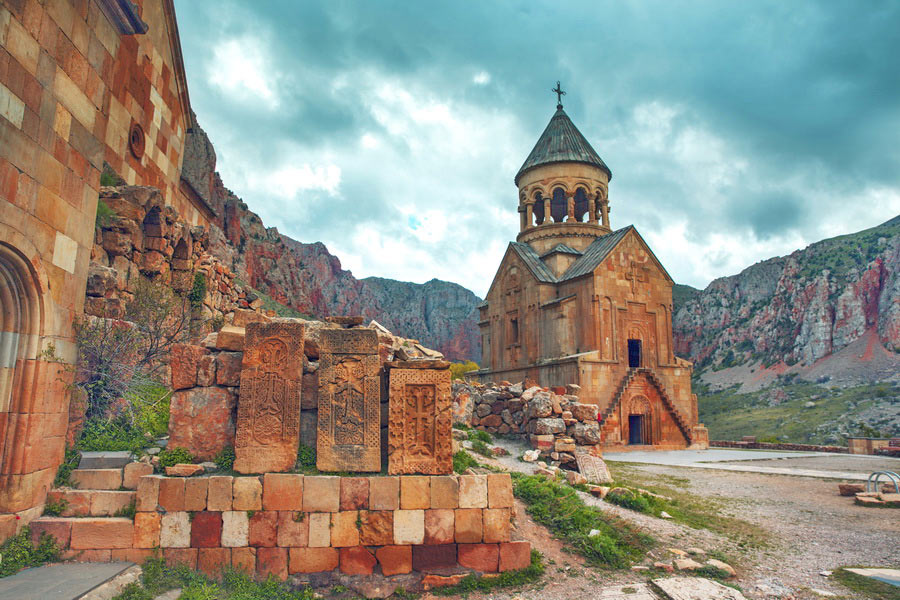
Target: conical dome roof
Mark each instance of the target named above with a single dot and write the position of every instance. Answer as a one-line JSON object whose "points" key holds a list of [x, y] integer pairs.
{"points": [[561, 142]]}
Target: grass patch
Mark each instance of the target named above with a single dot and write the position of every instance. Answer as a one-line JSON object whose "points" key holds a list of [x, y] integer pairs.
{"points": [[476, 583], [175, 456], [481, 448], [462, 461], [480, 435], [64, 473], [225, 458], [869, 588], [18, 552], [158, 578], [559, 507]]}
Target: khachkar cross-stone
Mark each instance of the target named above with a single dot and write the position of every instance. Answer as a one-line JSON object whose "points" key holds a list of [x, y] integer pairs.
{"points": [[419, 421], [268, 420], [559, 94], [636, 274]]}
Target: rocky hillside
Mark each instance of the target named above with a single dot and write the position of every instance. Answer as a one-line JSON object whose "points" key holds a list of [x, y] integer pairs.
{"points": [[309, 279], [830, 311]]}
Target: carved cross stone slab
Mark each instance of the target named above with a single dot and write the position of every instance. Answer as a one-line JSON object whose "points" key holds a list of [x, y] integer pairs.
{"points": [[420, 409], [593, 468], [349, 427], [268, 423]]}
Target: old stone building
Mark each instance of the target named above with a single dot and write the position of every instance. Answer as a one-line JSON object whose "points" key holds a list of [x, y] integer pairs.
{"points": [[574, 301], [82, 83]]}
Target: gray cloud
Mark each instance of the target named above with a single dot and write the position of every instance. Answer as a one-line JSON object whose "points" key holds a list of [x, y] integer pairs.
{"points": [[735, 131]]}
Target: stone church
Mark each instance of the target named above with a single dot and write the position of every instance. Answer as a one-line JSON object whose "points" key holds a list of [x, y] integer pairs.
{"points": [[575, 301]]}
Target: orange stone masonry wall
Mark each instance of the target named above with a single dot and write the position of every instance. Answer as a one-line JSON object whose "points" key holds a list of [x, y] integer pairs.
{"points": [[283, 524]]}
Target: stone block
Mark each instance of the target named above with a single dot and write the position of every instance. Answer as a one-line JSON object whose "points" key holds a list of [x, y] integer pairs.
{"points": [[148, 493], [171, 494], [272, 562], [415, 492], [146, 529], [440, 526], [349, 427], [468, 523], [133, 473], [219, 496], [264, 529], [181, 556], [244, 559], [106, 503], [201, 420], [500, 493], [344, 532], [195, 491], [175, 530], [293, 529], [133, 555], [206, 371], [321, 493], [228, 368], [282, 491], [473, 491], [384, 493], [444, 492], [515, 555], [547, 426], [78, 503], [104, 459], [247, 493], [91, 533], [183, 362], [419, 422], [268, 420], [586, 413], [86, 556], [183, 470], [235, 528], [309, 396], [319, 530], [60, 529], [212, 561], [409, 527], [206, 530], [376, 527], [394, 560], [231, 338], [484, 558], [496, 525], [97, 479], [357, 560], [314, 560], [354, 493], [430, 558]]}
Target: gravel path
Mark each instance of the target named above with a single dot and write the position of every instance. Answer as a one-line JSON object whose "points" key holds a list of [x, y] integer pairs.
{"points": [[809, 529]]}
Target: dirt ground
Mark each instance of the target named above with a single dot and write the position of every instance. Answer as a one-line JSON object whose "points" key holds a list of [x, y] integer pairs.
{"points": [[805, 528]]}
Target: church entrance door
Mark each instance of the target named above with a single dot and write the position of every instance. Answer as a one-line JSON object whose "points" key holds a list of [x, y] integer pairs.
{"points": [[636, 430]]}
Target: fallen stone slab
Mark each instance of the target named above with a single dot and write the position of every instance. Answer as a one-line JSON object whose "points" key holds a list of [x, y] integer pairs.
{"points": [[59, 581], [695, 588], [104, 460]]}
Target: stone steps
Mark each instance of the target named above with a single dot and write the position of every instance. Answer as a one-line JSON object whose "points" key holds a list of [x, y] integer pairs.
{"points": [[92, 503], [97, 479], [104, 460]]}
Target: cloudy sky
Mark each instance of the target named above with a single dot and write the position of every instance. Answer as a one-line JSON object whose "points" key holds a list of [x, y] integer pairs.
{"points": [[391, 131]]}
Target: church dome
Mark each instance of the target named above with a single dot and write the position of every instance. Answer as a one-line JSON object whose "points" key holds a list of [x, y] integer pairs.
{"points": [[561, 142]]}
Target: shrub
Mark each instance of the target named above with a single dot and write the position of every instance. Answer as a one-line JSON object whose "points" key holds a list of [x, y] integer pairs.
{"points": [[18, 552], [462, 461], [458, 370], [64, 472], [225, 458], [105, 214], [478, 434], [110, 434], [198, 291], [481, 448], [55, 509], [174, 456], [306, 456], [628, 499]]}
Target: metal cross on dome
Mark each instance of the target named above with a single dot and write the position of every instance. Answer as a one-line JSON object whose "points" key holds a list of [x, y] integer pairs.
{"points": [[559, 94]]}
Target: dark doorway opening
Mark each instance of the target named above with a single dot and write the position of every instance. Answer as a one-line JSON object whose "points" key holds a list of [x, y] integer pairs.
{"points": [[634, 353], [635, 429]]}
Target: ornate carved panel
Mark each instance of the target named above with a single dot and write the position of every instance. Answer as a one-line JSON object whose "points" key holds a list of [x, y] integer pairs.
{"points": [[419, 436], [349, 396], [268, 423]]}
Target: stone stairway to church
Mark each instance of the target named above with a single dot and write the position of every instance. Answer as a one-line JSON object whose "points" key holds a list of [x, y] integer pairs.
{"points": [[629, 377], [105, 485]]}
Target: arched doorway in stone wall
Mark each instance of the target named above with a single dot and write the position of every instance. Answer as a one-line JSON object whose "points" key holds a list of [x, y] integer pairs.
{"points": [[638, 421]]}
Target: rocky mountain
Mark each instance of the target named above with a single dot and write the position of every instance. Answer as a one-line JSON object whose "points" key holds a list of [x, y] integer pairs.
{"points": [[830, 311], [308, 279]]}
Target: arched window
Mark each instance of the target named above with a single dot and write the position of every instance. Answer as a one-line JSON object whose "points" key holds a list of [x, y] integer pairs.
{"points": [[538, 209], [582, 206], [558, 208]]}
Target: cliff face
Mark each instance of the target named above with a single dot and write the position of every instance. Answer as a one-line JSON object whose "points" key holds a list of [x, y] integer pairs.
{"points": [[802, 309], [310, 280]]}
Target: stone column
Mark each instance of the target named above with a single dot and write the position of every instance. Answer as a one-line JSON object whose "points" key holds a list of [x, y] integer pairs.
{"points": [[592, 210], [529, 214], [604, 209], [547, 218], [570, 208], [522, 223]]}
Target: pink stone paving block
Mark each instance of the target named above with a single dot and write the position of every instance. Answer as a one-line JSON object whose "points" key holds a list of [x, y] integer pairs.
{"points": [[235, 528], [469, 525], [60, 529], [394, 560], [133, 473], [180, 556], [354, 493], [97, 479], [272, 561], [106, 503], [481, 557], [90, 533], [444, 492], [376, 527], [171, 493], [86, 556], [319, 529], [357, 560], [148, 493], [496, 525], [500, 494], [146, 529], [344, 531], [313, 560], [264, 529], [219, 494], [439, 526], [213, 561], [409, 527], [195, 491], [293, 529], [428, 558], [244, 559], [206, 530], [321, 494], [282, 491], [384, 493], [247, 493], [136, 555], [175, 530], [515, 555], [415, 492], [473, 491]]}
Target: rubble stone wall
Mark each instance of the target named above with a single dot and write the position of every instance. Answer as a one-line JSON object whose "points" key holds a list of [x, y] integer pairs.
{"points": [[282, 524]]}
